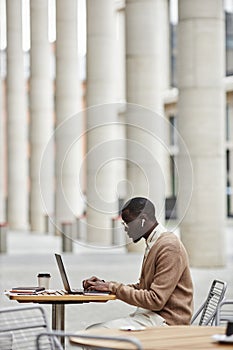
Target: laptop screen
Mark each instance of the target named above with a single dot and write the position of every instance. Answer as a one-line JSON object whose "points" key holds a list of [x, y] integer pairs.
{"points": [[63, 273]]}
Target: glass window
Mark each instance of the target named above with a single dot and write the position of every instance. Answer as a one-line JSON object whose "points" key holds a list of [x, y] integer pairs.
{"points": [[172, 131], [173, 50], [229, 43], [173, 41], [229, 122], [229, 164], [173, 175]]}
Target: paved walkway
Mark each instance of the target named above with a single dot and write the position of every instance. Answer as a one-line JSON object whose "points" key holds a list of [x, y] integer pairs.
{"points": [[30, 253]]}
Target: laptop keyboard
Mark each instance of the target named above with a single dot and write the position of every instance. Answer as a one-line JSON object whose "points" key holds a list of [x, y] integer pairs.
{"points": [[82, 291], [78, 290], [95, 292]]}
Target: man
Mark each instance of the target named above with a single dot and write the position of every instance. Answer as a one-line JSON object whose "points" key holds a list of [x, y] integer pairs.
{"points": [[164, 293]]}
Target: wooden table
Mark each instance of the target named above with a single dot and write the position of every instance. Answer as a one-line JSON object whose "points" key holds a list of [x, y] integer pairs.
{"points": [[162, 338], [58, 302]]}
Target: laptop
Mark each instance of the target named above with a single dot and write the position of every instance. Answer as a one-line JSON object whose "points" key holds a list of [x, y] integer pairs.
{"points": [[67, 285]]}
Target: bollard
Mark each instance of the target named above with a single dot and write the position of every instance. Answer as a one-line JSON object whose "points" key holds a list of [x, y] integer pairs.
{"points": [[113, 231], [67, 236], [116, 231], [46, 223], [78, 233], [49, 225], [3, 241], [83, 228], [80, 228]]}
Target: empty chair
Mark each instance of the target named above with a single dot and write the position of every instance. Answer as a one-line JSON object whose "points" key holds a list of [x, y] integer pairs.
{"points": [[27, 328], [224, 312], [20, 326], [207, 311]]}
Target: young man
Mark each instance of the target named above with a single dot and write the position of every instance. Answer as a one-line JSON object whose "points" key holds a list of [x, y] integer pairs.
{"points": [[164, 293]]}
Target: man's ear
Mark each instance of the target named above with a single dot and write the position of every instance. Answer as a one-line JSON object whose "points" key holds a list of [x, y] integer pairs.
{"points": [[144, 216]]}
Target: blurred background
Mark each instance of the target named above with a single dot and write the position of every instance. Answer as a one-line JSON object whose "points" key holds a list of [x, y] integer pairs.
{"points": [[100, 101], [104, 100]]}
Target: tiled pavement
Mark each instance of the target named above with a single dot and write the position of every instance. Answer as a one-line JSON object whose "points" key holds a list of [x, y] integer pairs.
{"points": [[30, 253]]}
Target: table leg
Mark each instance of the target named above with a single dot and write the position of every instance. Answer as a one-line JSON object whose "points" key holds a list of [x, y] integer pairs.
{"points": [[58, 319]]}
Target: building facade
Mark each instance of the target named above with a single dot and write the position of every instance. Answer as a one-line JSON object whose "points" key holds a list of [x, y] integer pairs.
{"points": [[128, 98]]}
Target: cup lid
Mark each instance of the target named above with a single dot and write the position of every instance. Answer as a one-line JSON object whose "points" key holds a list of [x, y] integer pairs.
{"points": [[43, 274]]}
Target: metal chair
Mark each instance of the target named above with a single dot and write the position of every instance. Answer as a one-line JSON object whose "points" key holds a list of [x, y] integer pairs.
{"points": [[20, 326], [207, 311], [224, 312], [27, 328]]}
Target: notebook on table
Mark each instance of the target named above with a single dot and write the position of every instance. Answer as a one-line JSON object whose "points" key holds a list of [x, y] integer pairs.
{"points": [[66, 283], [27, 290]]}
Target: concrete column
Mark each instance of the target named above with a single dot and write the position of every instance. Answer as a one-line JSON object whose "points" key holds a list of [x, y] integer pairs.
{"points": [[41, 114], [121, 97], [230, 174], [69, 153], [17, 123], [103, 144], [3, 237], [120, 50], [119, 236], [2, 158], [231, 182], [147, 76], [201, 123]]}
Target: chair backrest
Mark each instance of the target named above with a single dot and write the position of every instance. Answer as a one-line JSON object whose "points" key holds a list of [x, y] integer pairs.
{"points": [[208, 309], [19, 327], [224, 312]]}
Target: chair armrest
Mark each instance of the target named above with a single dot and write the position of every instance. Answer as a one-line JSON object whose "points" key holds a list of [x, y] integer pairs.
{"points": [[56, 334]]}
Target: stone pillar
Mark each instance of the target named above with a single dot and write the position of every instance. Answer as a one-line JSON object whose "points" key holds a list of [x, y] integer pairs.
{"points": [[103, 144], [120, 50], [3, 237], [17, 123], [147, 76], [201, 123], [2, 158], [69, 123], [230, 139], [41, 114], [121, 98], [231, 183]]}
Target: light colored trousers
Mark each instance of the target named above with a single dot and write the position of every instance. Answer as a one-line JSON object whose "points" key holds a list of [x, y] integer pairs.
{"points": [[140, 318]]}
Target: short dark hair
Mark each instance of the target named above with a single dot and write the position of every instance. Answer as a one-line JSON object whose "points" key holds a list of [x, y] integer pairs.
{"points": [[138, 205]]}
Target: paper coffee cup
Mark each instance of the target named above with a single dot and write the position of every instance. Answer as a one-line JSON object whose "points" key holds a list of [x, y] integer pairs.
{"points": [[43, 280]]}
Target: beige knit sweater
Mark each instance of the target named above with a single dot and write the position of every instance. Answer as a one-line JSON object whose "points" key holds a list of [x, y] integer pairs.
{"points": [[165, 284]]}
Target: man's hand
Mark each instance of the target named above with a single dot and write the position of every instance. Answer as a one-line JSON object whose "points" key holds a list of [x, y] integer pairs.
{"points": [[89, 281], [99, 285]]}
